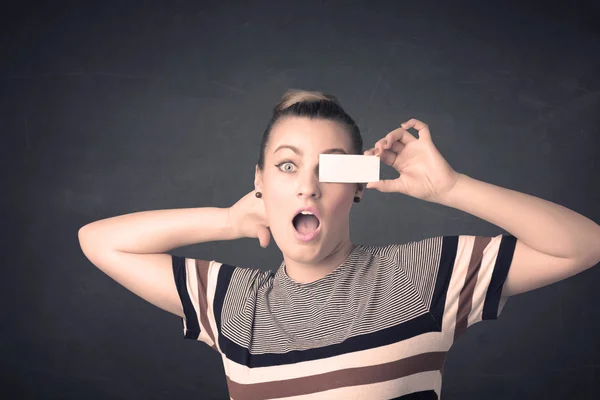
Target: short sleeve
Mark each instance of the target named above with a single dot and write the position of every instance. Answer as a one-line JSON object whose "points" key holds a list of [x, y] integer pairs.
{"points": [[196, 282], [460, 278]]}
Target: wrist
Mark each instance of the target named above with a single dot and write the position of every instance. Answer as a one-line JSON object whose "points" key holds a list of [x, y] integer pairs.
{"points": [[231, 224], [447, 198]]}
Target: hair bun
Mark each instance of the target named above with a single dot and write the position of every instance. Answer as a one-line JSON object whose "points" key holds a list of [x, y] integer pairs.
{"points": [[293, 96]]}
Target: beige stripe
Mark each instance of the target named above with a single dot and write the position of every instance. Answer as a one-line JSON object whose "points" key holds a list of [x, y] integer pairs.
{"points": [[202, 274], [332, 380], [490, 255], [465, 302], [430, 380], [423, 343]]}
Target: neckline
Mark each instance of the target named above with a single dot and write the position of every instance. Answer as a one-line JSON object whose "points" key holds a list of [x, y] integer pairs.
{"points": [[283, 278]]}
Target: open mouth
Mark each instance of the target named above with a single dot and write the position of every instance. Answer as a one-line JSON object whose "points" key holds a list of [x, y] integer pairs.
{"points": [[306, 223]]}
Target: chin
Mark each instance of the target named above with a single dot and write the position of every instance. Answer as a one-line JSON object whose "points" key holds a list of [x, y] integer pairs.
{"points": [[303, 251]]}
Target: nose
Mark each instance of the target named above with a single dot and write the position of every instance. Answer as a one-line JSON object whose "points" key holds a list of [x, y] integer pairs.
{"points": [[309, 186], [311, 191]]}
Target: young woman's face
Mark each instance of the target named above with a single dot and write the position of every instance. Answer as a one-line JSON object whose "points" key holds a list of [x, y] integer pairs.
{"points": [[290, 180]]}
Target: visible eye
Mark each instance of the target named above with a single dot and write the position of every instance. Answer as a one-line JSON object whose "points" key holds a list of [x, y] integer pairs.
{"points": [[283, 163]]}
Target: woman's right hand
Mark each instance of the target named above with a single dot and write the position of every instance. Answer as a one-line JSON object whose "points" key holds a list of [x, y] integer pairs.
{"points": [[248, 218]]}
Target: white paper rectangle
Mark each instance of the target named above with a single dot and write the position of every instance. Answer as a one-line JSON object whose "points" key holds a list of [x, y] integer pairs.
{"points": [[348, 168]]}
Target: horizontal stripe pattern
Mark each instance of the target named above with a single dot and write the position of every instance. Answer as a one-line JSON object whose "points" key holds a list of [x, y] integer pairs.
{"points": [[342, 378], [378, 326]]}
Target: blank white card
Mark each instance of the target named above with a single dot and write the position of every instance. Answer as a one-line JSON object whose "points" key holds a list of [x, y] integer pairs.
{"points": [[348, 168]]}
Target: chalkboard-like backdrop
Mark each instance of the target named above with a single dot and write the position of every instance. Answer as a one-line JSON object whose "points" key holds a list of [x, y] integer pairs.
{"points": [[114, 108]]}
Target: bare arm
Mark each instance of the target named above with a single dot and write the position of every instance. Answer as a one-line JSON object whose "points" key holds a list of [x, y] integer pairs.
{"points": [[131, 248]]}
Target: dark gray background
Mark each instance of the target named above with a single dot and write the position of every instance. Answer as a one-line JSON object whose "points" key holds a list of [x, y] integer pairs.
{"points": [[114, 108]]}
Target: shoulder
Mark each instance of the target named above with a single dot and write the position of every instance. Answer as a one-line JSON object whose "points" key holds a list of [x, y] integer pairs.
{"points": [[380, 251], [242, 277]]}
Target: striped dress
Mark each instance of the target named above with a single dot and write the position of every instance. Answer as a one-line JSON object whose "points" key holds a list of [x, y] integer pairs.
{"points": [[378, 327]]}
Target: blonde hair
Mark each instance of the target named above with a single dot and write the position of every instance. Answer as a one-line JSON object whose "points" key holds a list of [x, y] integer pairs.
{"points": [[293, 96], [313, 105]]}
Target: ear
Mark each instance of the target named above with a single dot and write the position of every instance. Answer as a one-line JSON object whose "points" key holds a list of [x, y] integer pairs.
{"points": [[257, 178], [360, 188]]}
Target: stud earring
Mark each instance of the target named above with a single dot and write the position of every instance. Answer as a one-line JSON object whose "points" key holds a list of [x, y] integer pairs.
{"points": [[258, 194]]}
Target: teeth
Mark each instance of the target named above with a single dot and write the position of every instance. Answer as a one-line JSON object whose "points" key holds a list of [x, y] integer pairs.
{"points": [[306, 213]]}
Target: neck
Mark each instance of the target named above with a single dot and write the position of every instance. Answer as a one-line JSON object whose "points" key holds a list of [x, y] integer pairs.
{"points": [[307, 273]]}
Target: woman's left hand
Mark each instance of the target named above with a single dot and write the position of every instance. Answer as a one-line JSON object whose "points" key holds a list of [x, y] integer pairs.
{"points": [[424, 173]]}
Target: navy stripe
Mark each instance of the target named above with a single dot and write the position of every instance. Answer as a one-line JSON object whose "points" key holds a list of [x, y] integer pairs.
{"points": [[503, 261], [191, 318], [442, 282], [223, 279], [424, 395], [403, 331]]}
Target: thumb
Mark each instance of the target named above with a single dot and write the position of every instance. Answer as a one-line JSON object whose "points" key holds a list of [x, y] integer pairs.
{"points": [[264, 237], [384, 185]]}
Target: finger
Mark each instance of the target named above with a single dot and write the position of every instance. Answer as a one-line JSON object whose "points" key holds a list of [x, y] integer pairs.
{"points": [[397, 147], [374, 151], [381, 149], [398, 135], [387, 157], [395, 140], [264, 237], [420, 126], [384, 185]]}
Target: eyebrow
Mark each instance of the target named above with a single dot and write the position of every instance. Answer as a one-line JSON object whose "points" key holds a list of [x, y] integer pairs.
{"points": [[299, 152]]}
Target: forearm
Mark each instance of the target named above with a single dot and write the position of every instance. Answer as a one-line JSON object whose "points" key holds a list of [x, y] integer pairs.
{"points": [[542, 225], [159, 231]]}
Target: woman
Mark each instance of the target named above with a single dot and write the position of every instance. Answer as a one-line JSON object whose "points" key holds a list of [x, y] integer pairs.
{"points": [[339, 320]]}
